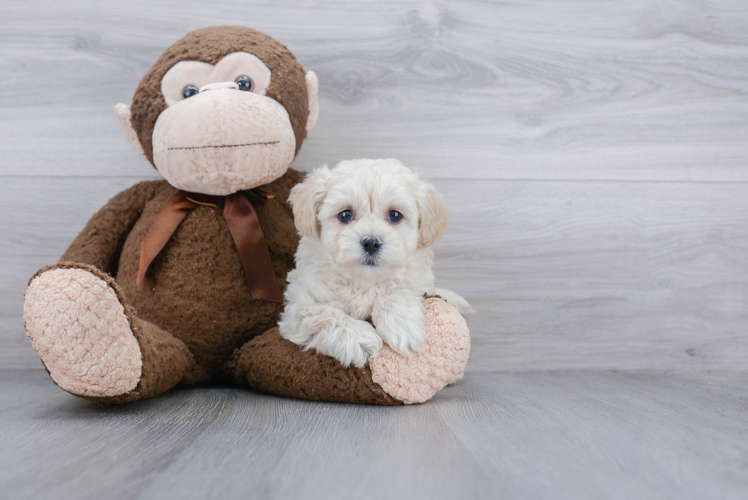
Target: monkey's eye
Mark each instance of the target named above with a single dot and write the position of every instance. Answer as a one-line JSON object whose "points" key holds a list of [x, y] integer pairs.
{"points": [[345, 216], [394, 216], [245, 83], [189, 91]]}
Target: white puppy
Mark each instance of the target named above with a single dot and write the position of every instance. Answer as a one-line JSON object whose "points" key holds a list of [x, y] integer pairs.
{"points": [[366, 227]]}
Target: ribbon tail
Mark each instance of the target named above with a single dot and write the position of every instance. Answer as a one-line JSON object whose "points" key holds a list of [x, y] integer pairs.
{"points": [[161, 230], [245, 229]]}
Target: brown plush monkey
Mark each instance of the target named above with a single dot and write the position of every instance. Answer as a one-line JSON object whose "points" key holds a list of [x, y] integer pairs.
{"points": [[180, 281]]}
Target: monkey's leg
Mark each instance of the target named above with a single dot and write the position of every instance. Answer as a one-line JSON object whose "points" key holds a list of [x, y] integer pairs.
{"points": [[90, 342], [271, 364]]}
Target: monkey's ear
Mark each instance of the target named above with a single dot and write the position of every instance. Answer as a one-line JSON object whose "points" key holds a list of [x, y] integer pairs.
{"points": [[125, 117], [432, 214], [305, 198], [312, 88]]}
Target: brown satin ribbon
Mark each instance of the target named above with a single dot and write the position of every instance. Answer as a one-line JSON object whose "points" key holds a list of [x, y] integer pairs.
{"points": [[243, 225]]}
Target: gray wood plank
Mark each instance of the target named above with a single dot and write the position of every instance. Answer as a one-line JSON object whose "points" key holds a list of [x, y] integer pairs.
{"points": [[600, 275], [588, 275], [570, 274], [15, 349], [565, 435], [606, 435], [510, 90], [594, 157]]}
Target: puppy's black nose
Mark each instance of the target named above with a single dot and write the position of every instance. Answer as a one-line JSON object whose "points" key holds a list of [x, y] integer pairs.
{"points": [[371, 244]]}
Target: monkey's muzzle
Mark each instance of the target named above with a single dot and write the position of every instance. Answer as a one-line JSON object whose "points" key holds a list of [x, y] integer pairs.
{"points": [[222, 141]]}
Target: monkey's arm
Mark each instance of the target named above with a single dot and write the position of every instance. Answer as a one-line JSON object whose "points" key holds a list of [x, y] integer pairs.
{"points": [[100, 243]]}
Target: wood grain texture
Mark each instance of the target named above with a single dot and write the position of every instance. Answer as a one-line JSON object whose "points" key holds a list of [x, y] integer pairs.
{"points": [[593, 153], [564, 275], [564, 435], [540, 89]]}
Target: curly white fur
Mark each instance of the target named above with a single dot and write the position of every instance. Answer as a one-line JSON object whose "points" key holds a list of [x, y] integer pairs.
{"points": [[337, 287]]}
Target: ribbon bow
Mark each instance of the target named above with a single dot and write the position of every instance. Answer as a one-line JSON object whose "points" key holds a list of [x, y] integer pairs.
{"points": [[245, 231]]}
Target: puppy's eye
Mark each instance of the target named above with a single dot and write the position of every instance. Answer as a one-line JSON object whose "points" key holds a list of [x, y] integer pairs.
{"points": [[345, 216], [394, 216], [245, 83], [189, 91]]}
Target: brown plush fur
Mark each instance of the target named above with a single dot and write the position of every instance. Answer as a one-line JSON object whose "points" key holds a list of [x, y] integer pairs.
{"points": [[271, 364], [165, 358], [210, 45], [195, 288], [193, 316]]}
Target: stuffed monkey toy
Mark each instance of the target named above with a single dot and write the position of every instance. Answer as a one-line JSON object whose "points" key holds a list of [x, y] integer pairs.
{"points": [[180, 281]]}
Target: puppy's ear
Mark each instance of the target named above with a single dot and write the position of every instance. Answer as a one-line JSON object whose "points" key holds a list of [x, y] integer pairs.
{"points": [[433, 216], [305, 199]]}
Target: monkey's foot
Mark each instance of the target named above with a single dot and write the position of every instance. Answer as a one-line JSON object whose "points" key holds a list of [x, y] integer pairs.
{"points": [[442, 358], [77, 324]]}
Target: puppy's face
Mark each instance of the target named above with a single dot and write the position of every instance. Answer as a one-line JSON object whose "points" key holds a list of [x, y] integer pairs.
{"points": [[369, 215], [368, 220]]}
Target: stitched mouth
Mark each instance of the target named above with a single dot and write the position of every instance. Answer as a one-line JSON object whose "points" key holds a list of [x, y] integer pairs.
{"points": [[228, 145]]}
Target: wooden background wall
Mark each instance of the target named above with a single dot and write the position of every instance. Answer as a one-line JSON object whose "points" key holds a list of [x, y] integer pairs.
{"points": [[594, 154]]}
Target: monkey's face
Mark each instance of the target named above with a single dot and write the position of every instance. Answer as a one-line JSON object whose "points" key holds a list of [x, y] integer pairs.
{"points": [[221, 133], [223, 127]]}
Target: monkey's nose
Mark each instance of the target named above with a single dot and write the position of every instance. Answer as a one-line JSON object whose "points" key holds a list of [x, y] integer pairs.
{"points": [[371, 244], [219, 85]]}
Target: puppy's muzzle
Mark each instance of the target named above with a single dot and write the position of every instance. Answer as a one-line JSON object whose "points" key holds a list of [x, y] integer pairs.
{"points": [[371, 245]]}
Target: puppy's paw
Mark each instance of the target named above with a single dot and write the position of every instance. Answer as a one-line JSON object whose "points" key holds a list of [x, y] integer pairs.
{"points": [[402, 328], [361, 342], [351, 344]]}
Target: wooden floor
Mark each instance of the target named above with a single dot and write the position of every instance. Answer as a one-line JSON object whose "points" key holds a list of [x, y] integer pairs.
{"points": [[562, 435], [594, 154]]}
